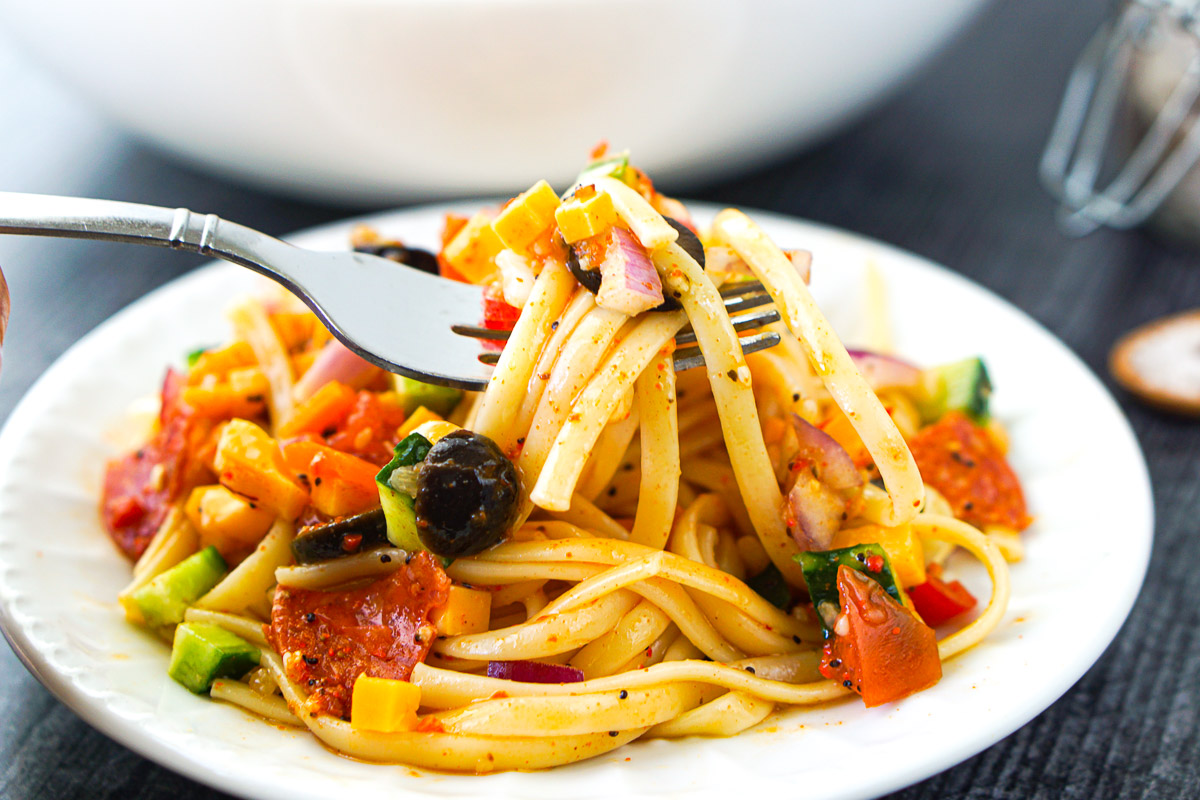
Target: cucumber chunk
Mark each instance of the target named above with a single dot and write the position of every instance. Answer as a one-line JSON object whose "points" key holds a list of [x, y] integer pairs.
{"points": [[163, 600], [202, 653], [820, 570], [398, 511], [414, 394], [772, 587], [612, 167], [961, 386]]}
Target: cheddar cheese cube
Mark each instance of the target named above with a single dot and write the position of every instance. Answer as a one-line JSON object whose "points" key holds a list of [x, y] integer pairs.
{"points": [[384, 705], [526, 217]]}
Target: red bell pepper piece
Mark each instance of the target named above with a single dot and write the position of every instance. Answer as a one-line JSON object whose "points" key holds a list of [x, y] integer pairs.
{"points": [[938, 601]]}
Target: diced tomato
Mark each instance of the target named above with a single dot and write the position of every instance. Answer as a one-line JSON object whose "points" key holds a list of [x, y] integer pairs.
{"points": [[369, 430], [879, 648], [328, 639], [497, 314], [938, 601], [961, 461], [140, 487]]}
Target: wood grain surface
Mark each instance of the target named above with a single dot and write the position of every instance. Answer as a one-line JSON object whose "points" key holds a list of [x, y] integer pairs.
{"points": [[946, 168]]}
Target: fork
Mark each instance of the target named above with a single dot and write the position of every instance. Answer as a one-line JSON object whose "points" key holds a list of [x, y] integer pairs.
{"points": [[395, 316]]}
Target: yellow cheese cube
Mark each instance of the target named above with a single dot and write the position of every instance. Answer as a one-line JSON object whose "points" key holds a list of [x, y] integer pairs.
{"points": [[383, 704], [250, 463], [226, 520], [526, 217], [472, 251], [466, 611], [583, 219], [902, 546], [416, 419], [219, 362]]}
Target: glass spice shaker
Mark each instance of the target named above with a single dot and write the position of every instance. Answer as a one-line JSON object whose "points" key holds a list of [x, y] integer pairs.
{"points": [[1125, 146]]}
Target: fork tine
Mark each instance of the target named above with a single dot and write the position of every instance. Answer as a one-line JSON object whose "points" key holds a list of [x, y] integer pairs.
{"points": [[741, 322], [746, 301], [738, 288], [740, 296], [692, 357], [487, 334], [688, 357]]}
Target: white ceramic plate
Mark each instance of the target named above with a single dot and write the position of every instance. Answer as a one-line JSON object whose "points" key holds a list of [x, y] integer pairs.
{"points": [[59, 574]]}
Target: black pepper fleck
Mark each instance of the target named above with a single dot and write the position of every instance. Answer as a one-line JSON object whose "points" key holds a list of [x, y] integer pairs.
{"points": [[624, 694], [385, 559], [310, 617]]}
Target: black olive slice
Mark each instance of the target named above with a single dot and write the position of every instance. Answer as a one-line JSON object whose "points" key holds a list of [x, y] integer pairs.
{"points": [[588, 278], [468, 495], [345, 536], [689, 241], [412, 256]]}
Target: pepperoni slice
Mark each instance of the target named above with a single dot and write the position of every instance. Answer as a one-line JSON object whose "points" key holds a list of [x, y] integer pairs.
{"points": [[140, 487], [328, 639], [961, 461]]}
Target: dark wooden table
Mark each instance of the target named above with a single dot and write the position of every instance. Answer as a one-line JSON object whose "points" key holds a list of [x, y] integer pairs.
{"points": [[945, 169]]}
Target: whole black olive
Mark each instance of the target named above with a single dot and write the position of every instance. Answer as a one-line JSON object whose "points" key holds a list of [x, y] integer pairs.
{"points": [[468, 495], [412, 256]]}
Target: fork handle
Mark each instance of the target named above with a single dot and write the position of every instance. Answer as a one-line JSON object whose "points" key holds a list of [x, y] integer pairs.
{"points": [[111, 220]]}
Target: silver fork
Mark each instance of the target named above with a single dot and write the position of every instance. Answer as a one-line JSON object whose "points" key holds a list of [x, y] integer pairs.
{"points": [[397, 317]]}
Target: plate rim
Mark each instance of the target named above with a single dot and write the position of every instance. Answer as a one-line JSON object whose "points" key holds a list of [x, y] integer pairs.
{"points": [[129, 734]]}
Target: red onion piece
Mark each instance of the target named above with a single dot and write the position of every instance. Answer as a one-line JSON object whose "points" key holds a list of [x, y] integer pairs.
{"points": [[885, 372], [628, 281], [834, 466], [533, 672], [814, 513], [802, 261], [335, 363], [816, 503]]}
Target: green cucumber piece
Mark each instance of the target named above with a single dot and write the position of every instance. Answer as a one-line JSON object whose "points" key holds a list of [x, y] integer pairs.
{"points": [[194, 355], [612, 167], [413, 394], [163, 600], [820, 570], [772, 587], [961, 386], [398, 508], [202, 653]]}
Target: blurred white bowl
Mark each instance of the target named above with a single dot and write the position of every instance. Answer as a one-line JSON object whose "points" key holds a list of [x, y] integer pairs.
{"points": [[382, 100]]}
